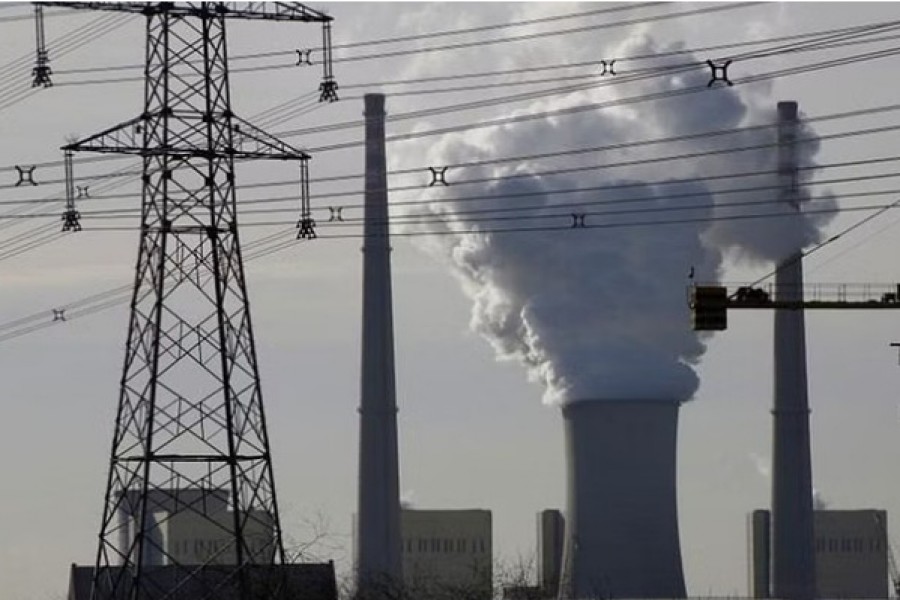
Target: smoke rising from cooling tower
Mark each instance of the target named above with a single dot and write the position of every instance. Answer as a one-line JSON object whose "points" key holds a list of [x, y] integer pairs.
{"points": [[602, 313]]}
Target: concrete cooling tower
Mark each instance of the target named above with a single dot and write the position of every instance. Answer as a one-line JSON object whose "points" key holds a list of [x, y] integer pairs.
{"points": [[621, 520]]}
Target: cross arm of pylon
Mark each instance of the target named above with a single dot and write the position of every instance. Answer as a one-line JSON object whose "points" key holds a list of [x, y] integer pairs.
{"points": [[267, 11], [252, 142], [248, 141], [126, 137]]}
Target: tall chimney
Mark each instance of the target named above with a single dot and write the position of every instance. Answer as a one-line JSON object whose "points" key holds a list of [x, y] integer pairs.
{"points": [[621, 514], [793, 549], [378, 559]]}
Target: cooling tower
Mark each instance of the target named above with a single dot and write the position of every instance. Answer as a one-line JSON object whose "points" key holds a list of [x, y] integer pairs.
{"points": [[621, 520], [793, 550], [378, 560]]}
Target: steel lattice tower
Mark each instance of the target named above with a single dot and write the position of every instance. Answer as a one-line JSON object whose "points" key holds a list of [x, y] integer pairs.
{"points": [[190, 454]]}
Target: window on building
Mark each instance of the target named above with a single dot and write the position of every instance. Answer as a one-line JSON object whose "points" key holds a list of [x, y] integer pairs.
{"points": [[423, 545], [435, 545]]}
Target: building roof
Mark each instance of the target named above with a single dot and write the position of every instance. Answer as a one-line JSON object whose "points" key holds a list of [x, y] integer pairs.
{"points": [[310, 581]]}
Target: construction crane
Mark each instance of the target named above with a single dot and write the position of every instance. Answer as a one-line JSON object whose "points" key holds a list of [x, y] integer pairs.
{"points": [[710, 303]]}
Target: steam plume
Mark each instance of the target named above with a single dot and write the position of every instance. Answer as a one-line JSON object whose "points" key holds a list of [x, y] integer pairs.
{"points": [[602, 313]]}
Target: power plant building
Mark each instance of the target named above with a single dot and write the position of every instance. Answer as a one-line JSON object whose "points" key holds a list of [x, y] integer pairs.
{"points": [[446, 553], [310, 581], [851, 553], [191, 526], [192, 539]]}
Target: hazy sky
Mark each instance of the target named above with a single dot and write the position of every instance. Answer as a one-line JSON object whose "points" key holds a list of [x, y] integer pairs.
{"points": [[474, 432]]}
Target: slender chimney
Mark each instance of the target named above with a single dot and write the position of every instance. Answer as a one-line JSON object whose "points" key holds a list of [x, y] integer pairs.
{"points": [[378, 559], [621, 515], [793, 550]]}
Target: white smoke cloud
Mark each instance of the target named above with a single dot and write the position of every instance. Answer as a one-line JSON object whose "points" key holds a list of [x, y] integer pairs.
{"points": [[763, 467], [819, 502], [602, 313], [762, 464], [408, 499]]}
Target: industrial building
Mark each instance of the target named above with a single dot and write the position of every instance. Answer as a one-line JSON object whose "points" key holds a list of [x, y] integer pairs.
{"points": [[308, 581], [851, 553], [446, 553], [551, 529], [194, 539], [190, 526]]}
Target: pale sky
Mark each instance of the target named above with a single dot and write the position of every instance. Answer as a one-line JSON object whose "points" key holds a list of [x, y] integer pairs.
{"points": [[474, 432]]}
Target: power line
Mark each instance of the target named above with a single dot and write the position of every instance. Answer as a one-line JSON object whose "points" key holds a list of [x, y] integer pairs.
{"points": [[663, 140], [499, 214], [563, 227], [617, 186], [879, 210], [29, 16], [482, 124], [407, 136], [628, 58], [119, 295], [863, 112], [64, 46], [817, 45], [109, 298], [29, 240], [495, 26], [547, 173], [531, 96], [518, 208], [603, 25]]}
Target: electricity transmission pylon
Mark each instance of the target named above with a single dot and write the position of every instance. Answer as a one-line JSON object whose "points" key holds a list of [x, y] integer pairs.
{"points": [[190, 507]]}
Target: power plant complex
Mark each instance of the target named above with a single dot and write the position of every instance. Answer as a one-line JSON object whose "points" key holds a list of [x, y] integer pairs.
{"points": [[190, 509], [617, 538], [621, 532]]}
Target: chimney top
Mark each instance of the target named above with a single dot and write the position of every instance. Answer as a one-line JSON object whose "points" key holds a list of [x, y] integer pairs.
{"points": [[374, 105], [787, 110]]}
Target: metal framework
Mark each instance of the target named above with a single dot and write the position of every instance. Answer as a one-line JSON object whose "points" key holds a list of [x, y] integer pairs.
{"points": [[256, 11], [190, 455], [709, 303], [40, 74]]}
